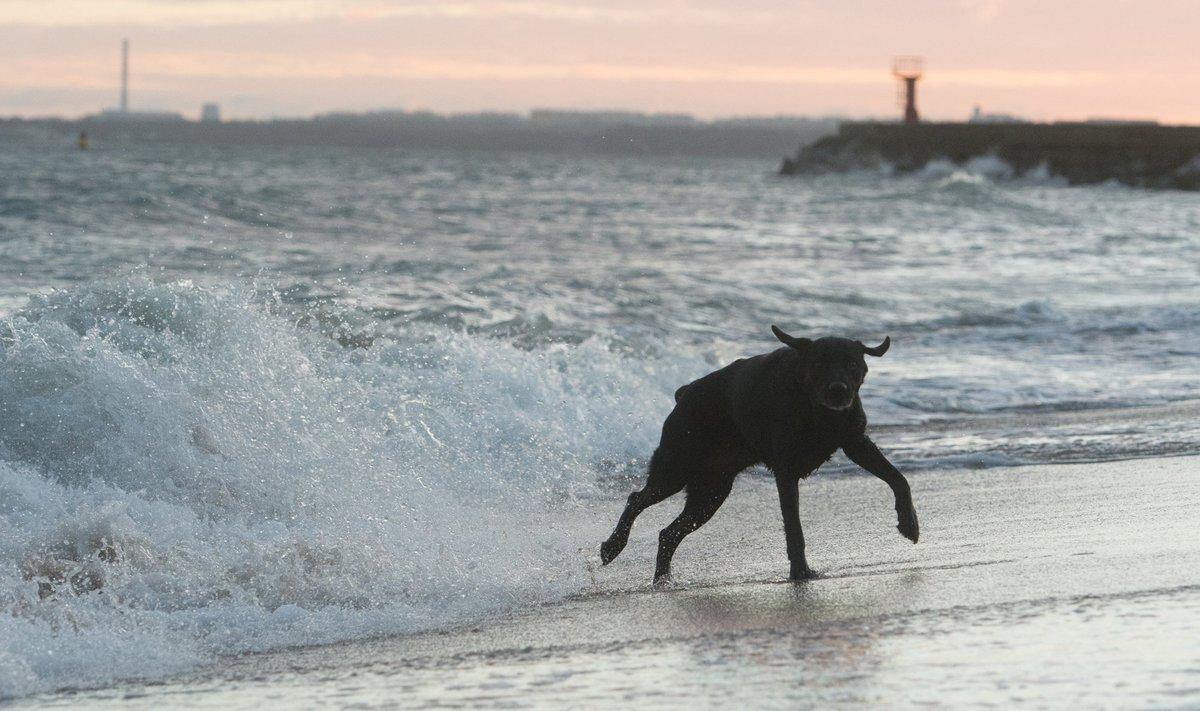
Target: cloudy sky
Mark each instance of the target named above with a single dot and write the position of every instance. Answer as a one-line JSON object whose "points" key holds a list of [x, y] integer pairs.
{"points": [[1039, 58]]}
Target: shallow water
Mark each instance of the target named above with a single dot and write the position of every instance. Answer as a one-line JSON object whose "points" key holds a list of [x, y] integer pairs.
{"points": [[259, 398], [1037, 587]]}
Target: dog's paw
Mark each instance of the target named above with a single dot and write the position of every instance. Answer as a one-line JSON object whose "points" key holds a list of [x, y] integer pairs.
{"points": [[609, 550], [908, 526], [664, 581], [801, 573]]}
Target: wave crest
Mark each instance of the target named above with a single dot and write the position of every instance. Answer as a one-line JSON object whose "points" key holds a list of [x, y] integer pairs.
{"points": [[185, 470]]}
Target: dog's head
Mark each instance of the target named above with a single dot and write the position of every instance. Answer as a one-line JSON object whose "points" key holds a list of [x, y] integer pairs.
{"points": [[834, 367]]}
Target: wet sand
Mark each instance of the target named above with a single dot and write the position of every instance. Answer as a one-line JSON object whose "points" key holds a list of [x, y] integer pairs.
{"points": [[1074, 585]]}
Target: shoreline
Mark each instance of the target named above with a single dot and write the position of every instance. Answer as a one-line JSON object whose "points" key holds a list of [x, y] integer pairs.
{"points": [[1050, 540]]}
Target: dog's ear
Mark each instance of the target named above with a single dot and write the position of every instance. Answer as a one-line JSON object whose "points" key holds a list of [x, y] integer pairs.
{"points": [[878, 350], [797, 343]]}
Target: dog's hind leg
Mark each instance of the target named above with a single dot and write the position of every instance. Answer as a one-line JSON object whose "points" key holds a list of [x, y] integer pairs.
{"points": [[662, 483], [702, 503]]}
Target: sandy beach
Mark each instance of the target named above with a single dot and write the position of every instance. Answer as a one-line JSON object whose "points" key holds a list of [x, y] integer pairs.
{"points": [[1072, 585]]}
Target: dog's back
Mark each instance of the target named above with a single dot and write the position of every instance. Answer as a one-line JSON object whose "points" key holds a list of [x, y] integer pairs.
{"points": [[701, 426]]}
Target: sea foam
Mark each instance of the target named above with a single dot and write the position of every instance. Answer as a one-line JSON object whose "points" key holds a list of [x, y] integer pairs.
{"points": [[185, 472]]}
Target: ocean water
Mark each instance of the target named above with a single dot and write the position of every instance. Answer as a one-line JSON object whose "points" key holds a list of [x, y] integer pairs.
{"points": [[258, 398]]}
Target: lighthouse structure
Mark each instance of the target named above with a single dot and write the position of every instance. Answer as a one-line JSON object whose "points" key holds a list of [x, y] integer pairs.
{"points": [[907, 71]]}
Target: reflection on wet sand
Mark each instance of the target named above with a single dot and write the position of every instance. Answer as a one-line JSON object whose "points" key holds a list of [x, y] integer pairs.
{"points": [[1066, 585]]}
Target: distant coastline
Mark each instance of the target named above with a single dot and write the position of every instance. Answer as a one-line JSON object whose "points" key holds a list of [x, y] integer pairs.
{"points": [[621, 133]]}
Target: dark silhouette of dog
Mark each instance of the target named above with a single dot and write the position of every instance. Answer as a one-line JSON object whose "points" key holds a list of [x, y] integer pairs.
{"points": [[790, 410]]}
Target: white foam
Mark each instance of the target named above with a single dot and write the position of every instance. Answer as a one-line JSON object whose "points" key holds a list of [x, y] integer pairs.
{"points": [[984, 170], [184, 473]]}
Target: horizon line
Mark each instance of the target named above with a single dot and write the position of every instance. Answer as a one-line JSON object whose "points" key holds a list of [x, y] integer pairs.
{"points": [[528, 114]]}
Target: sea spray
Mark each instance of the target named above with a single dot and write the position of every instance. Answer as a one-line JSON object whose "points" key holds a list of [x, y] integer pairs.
{"points": [[185, 472]]}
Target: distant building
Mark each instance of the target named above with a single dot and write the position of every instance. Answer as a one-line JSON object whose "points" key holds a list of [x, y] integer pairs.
{"points": [[566, 119], [210, 113], [376, 115], [1104, 121], [978, 116], [119, 115], [782, 121]]}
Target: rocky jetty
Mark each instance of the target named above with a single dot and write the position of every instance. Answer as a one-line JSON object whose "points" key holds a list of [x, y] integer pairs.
{"points": [[1144, 155]]}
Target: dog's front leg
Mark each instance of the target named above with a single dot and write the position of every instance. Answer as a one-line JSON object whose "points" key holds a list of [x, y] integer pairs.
{"points": [[789, 505], [863, 452]]}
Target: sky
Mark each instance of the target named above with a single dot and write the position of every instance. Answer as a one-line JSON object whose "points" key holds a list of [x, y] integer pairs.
{"points": [[1042, 59]]}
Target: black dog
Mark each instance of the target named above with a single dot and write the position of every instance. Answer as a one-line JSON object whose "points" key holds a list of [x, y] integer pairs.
{"points": [[790, 409]]}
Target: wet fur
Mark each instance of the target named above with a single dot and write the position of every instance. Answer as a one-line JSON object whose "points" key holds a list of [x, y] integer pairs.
{"points": [[768, 410]]}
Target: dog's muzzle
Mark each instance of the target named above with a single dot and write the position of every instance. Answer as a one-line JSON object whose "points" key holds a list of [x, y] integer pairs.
{"points": [[837, 396]]}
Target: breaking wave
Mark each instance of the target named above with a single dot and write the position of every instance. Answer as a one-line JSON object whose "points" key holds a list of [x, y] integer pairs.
{"points": [[190, 471], [986, 169], [185, 472]]}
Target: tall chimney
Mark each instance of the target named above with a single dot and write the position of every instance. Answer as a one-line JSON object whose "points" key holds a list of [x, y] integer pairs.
{"points": [[125, 76]]}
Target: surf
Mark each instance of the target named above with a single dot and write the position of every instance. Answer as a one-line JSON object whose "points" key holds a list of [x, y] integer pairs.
{"points": [[187, 471]]}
